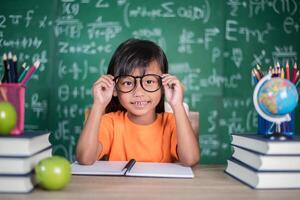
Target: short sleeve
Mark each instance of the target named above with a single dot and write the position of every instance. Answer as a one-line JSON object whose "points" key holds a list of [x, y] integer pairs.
{"points": [[105, 135]]}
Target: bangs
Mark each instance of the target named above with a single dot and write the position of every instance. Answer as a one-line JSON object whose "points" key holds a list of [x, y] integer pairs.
{"points": [[138, 55]]}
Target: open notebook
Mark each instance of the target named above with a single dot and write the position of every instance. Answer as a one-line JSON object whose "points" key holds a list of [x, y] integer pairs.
{"points": [[133, 168]]}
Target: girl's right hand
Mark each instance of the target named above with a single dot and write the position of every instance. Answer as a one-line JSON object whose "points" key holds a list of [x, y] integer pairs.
{"points": [[103, 89]]}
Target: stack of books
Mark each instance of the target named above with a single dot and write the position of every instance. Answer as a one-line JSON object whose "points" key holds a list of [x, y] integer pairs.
{"points": [[18, 157], [263, 163]]}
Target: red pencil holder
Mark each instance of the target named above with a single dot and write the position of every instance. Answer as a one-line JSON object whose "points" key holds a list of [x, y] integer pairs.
{"points": [[15, 94]]}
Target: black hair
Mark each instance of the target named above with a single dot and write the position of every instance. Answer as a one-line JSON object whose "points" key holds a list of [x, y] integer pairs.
{"points": [[132, 54]]}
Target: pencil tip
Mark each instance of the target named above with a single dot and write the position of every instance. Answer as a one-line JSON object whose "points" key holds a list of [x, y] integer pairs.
{"points": [[287, 64], [37, 64]]}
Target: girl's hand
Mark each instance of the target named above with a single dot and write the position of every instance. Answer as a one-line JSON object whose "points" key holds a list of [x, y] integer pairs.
{"points": [[173, 90], [103, 90]]}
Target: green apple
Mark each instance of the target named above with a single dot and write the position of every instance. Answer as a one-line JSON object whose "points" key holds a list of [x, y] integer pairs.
{"points": [[53, 173], [8, 117]]}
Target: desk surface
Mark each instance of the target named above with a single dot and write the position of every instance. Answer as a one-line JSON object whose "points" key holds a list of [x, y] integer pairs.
{"points": [[210, 182]]}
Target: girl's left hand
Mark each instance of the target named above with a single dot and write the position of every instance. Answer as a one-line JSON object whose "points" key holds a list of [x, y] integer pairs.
{"points": [[173, 90]]}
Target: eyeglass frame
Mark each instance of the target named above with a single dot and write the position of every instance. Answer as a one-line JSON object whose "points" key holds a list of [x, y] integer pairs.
{"points": [[135, 82]]}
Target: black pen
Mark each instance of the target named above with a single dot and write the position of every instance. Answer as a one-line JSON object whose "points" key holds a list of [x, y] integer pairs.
{"points": [[11, 68], [129, 165], [15, 69], [4, 78], [9, 78]]}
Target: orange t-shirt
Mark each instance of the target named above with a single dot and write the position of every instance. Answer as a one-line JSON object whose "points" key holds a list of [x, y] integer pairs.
{"points": [[123, 140]]}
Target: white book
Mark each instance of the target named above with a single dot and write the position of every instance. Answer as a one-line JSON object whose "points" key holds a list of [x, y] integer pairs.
{"points": [[263, 179], [262, 162], [26, 144], [17, 183], [22, 164], [132, 168], [261, 144]]}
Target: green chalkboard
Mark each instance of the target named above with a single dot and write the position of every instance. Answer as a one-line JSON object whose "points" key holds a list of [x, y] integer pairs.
{"points": [[211, 46], [22, 33]]}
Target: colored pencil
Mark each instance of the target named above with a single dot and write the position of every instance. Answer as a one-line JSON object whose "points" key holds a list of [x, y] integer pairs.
{"points": [[259, 71], [23, 73], [33, 68], [22, 68], [257, 75], [282, 73], [287, 70], [298, 82], [296, 77], [270, 70], [294, 72], [253, 78], [277, 65]]}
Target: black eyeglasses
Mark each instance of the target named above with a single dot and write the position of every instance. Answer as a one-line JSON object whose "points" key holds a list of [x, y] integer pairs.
{"points": [[127, 83]]}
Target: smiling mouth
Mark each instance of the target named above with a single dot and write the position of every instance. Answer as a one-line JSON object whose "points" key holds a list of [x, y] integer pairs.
{"points": [[140, 104]]}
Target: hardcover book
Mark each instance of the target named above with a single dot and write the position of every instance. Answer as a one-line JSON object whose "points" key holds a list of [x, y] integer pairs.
{"points": [[264, 145], [22, 164], [263, 179], [17, 183], [260, 161], [26, 144]]}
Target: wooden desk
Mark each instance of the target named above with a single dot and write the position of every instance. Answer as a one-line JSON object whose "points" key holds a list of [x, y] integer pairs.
{"points": [[210, 183]]}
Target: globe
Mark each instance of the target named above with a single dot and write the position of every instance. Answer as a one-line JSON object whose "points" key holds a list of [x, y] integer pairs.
{"points": [[274, 99], [277, 97]]}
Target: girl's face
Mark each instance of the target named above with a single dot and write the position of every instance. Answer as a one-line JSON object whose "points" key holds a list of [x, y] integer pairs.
{"points": [[139, 103]]}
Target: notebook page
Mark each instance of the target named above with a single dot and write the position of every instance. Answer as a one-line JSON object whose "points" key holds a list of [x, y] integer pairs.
{"points": [[99, 168], [171, 170]]}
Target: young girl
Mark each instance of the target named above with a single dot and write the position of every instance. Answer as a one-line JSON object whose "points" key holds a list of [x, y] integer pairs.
{"points": [[127, 119]]}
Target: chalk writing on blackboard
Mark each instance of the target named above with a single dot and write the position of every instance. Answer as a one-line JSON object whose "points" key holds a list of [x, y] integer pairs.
{"points": [[210, 45]]}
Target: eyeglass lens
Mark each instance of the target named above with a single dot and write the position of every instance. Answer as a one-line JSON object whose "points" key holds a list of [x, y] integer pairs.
{"points": [[149, 82]]}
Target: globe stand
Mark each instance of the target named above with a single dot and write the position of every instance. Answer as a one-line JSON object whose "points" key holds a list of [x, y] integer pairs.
{"points": [[277, 135]]}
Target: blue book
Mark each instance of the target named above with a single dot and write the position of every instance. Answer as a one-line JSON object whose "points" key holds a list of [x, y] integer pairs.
{"points": [[264, 145], [26, 144], [263, 179]]}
